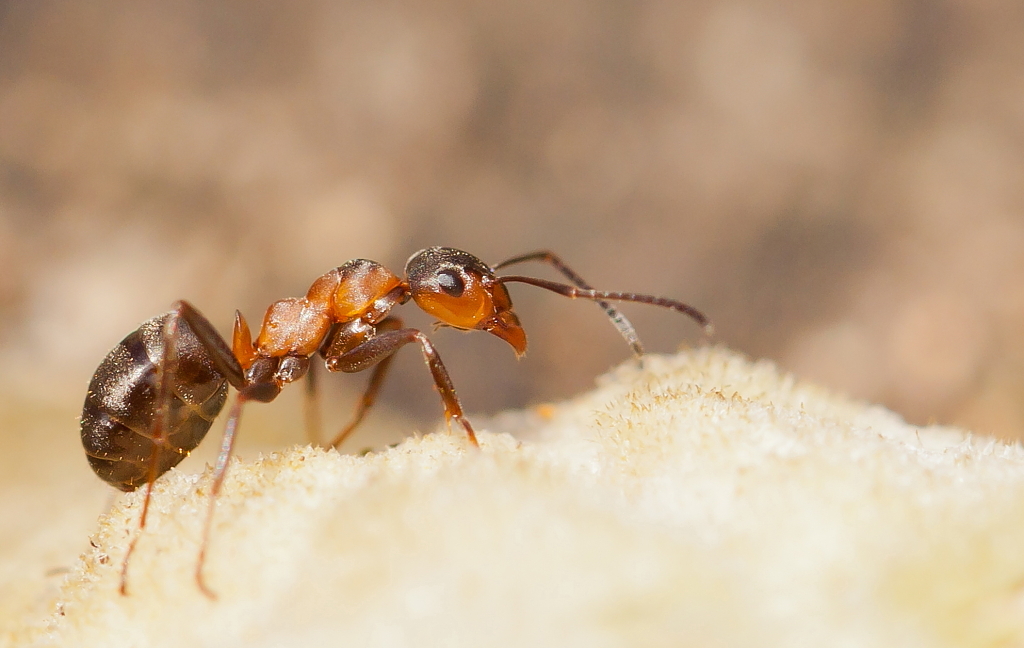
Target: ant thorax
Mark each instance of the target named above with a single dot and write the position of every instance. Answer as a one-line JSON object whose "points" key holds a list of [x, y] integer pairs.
{"points": [[355, 290]]}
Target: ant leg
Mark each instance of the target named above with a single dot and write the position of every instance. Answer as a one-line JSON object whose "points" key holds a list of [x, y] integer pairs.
{"points": [[161, 422], [373, 387], [208, 336], [226, 363], [619, 321], [220, 469], [311, 406], [378, 348]]}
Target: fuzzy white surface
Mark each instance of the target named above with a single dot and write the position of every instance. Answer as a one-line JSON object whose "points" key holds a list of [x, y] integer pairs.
{"points": [[702, 500]]}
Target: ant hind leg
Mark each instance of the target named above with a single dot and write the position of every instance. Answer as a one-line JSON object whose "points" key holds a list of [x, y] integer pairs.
{"points": [[165, 369]]}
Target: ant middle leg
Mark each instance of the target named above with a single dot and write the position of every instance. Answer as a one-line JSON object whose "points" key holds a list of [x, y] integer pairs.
{"points": [[311, 406], [380, 348], [373, 386]]}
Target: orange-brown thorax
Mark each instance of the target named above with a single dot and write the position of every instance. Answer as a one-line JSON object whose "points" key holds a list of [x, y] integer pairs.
{"points": [[454, 286], [298, 325]]}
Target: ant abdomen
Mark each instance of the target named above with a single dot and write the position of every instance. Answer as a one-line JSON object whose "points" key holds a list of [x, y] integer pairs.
{"points": [[123, 402]]}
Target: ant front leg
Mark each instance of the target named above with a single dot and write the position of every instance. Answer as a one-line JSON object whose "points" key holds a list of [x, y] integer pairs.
{"points": [[378, 350]]}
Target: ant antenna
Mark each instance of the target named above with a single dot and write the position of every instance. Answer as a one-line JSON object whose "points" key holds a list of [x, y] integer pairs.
{"points": [[619, 321], [572, 292]]}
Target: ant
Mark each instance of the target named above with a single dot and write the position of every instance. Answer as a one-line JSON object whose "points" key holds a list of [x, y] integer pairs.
{"points": [[156, 394]]}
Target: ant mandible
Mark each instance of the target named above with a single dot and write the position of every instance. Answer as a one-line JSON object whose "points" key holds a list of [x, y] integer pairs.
{"points": [[156, 394]]}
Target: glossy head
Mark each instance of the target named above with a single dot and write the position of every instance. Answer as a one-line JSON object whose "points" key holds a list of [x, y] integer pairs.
{"points": [[461, 291]]}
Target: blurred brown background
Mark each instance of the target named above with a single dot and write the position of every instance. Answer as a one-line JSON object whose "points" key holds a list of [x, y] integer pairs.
{"points": [[838, 185]]}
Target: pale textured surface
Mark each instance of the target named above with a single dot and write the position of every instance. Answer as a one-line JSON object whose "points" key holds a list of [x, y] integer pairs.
{"points": [[703, 500]]}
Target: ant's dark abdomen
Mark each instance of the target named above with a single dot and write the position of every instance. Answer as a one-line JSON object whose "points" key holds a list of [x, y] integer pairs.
{"points": [[122, 404]]}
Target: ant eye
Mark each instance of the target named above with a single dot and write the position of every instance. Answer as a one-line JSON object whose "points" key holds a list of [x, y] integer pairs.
{"points": [[451, 283]]}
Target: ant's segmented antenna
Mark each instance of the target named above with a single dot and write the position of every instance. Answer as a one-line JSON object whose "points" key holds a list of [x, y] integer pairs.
{"points": [[619, 321], [572, 292]]}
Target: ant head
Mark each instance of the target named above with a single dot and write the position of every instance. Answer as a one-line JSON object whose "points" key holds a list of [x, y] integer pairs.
{"points": [[461, 291]]}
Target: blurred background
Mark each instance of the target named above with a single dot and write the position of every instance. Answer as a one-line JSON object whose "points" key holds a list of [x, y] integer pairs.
{"points": [[839, 185]]}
